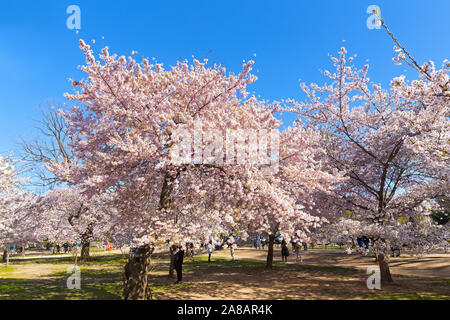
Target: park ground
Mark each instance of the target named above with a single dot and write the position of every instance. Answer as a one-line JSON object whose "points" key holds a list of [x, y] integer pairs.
{"points": [[323, 274]]}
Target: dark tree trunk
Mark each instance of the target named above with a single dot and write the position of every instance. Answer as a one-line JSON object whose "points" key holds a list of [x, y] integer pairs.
{"points": [[165, 201], [84, 256], [6, 257], [136, 275], [172, 265], [385, 273], [270, 252], [85, 243]]}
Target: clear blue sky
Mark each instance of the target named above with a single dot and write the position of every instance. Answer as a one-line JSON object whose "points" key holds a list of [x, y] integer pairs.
{"points": [[291, 39]]}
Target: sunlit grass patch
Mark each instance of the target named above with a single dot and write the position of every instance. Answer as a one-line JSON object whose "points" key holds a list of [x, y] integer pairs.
{"points": [[443, 282], [6, 271], [222, 278], [386, 295]]}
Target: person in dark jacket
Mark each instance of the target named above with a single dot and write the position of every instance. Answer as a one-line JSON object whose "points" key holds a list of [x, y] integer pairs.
{"points": [[284, 251], [365, 240], [192, 249], [178, 261]]}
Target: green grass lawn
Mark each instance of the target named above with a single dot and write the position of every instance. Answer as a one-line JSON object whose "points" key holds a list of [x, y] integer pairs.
{"points": [[327, 247], [101, 278]]}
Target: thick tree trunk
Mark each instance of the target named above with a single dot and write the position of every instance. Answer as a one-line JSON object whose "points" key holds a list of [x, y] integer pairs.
{"points": [[75, 252], [172, 265], [270, 252], [136, 275], [385, 273], [84, 250], [85, 243], [6, 257]]}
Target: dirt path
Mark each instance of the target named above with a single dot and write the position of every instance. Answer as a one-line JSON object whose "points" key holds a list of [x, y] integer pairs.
{"points": [[37, 255], [431, 265], [435, 265], [220, 280], [301, 281]]}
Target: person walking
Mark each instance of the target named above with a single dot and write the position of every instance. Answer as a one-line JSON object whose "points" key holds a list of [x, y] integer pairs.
{"points": [[209, 247], [192, 249], [298, 250], [178, 262], [284, 251], [231, 244]]}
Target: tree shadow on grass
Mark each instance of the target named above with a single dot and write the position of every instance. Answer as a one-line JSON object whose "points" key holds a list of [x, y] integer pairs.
{"points": [[95, 284], [225, 279], [116, 258]]}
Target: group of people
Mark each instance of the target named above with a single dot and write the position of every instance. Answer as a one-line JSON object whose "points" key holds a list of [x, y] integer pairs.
{"points": [[363, 241], [179, 253], [297, 248], [16, 249], [49, 246], [259, 243], [57, 248], [230, 242]]}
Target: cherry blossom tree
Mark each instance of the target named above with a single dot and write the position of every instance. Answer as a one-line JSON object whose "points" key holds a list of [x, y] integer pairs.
{"points": [[441, 214], [17, 224], [65, 206], [393, 146], [290, 200], [68, 216], [124, 133]]}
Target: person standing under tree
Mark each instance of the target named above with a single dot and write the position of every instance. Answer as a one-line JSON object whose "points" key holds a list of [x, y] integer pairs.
{"points": [[209, 247], [297, 250], [231, 245], [178, 261], [284, 251], [192, 249]]}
